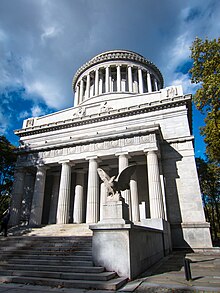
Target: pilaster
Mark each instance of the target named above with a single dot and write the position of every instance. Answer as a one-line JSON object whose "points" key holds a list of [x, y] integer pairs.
{"points": [[38, 196]]}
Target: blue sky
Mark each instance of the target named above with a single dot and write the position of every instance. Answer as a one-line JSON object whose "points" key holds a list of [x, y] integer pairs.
{"points": [[44, 42]]}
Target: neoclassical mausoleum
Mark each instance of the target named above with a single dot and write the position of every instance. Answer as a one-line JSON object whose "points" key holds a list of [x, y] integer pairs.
{"points": [[122, 115]]}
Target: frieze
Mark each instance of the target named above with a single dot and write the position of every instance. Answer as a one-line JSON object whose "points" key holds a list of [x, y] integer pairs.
{"points": [[105, 145]]}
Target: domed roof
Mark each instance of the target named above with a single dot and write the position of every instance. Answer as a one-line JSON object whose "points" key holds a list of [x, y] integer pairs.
{"points": [[117, 55]]}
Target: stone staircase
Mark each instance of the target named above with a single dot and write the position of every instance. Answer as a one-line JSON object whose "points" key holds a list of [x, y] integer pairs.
{"points": [[57, 256]]}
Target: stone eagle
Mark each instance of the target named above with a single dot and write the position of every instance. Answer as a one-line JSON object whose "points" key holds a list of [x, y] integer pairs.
{"points": [[119, 184]]}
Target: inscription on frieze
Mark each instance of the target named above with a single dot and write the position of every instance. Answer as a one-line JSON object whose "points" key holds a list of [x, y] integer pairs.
{"points": [[137, 140]]}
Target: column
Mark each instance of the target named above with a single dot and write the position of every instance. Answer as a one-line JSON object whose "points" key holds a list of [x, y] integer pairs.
{"points": [[76, 97], [17, 195], [103, 198], [155, 84], [107, 79], [92, 209], [149, 85], [96, 82], [134, 199], [64, 194], [130, 81], [140, 81], [87, 86], [38, 196], [81, 91], [155, 191], [54, 199], [78, 211], [118, 78], [122, 164], [101, 83]]}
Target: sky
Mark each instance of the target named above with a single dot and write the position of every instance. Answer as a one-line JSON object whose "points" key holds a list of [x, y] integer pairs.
{"points": [[44, 42]]}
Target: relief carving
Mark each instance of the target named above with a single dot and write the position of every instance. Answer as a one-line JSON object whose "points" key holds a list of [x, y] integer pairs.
{"points": [[30, 122], [172, 91]]}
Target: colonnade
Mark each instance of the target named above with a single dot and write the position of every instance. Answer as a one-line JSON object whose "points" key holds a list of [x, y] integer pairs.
{"points": [[115, 78], [59, 213]]}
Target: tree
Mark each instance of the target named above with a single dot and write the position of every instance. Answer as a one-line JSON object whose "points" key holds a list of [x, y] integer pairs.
{"points": [[209, 178], [206, 72], [7, 164]]}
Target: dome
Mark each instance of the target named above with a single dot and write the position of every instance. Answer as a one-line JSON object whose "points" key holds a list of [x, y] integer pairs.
{"points": [[116, 71]]}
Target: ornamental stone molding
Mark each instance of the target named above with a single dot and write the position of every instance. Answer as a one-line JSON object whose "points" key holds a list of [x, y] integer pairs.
{"points": [[104, 113], [139, 142]]}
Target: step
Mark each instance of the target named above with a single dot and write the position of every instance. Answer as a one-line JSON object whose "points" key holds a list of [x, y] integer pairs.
{"points": [[54, 262], [113, 284], [104, 276], [73, 269], [64, 257], [61, 257]]}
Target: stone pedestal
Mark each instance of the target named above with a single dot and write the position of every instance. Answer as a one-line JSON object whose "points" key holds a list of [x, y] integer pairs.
{"points": [[115, 212]]}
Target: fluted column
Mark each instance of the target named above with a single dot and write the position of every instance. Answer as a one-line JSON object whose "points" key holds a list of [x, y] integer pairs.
{"points": [[81, 91], [92, 209], [64, 194], [103, 198], [38, 196], [155, 191], [130, 81], [78, 212], [17, 195], [149, 85], [54, 199], [122, 164], [107, 79], [87, 86], [118, 78], [76, 97], [96, 82], [140, 81], [134, 199], [101, 83], [155, 84]]}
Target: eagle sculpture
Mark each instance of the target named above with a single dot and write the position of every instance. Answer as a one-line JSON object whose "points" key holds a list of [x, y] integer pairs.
{"points": [[116, 185]]}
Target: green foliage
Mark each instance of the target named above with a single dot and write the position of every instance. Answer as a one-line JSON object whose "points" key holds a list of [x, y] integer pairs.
{"points": [[209, 178], [206, 73], [4, 203], [7, 164]]}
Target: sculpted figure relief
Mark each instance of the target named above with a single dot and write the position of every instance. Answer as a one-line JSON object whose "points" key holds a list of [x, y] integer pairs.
{"points": [[116, 185]]}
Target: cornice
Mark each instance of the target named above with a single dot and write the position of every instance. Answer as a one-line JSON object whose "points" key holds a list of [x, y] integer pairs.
{"points": [[105, 116], [117, 55]]}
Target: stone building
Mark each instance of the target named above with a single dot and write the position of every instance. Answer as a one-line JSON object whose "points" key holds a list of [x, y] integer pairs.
{"points": [[122, 115]]}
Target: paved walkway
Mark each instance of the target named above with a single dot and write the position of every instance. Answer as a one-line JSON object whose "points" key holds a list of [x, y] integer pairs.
{"points": [[167, 276]]}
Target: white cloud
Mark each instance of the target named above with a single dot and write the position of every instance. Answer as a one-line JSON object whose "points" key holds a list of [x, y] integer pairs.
{"points": [[37, 111], [24, 114]]}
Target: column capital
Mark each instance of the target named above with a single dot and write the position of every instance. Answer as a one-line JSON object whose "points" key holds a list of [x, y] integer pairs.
{"points": [[42, 167], [123, 154], [96, 158], [147, 151], [68, 162]]}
